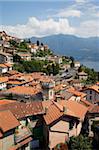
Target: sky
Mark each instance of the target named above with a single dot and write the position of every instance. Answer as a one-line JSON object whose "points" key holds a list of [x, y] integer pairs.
{"points": [[27, 18]]}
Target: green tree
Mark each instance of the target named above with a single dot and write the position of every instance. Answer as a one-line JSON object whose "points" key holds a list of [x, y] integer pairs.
{"points": [[16, 58], [72, 58], [23, 45], [72, 65], [13, 43], [80, 143], [38, 43], [42, 44], [1, 38], [19, 67], [80, 69], [55, 68]]}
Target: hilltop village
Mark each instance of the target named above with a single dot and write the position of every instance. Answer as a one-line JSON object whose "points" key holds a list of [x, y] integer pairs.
{"points": [[46, 101]]}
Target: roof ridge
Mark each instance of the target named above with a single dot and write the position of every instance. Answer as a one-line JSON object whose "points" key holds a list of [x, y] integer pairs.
{"points": [[59, 106]]}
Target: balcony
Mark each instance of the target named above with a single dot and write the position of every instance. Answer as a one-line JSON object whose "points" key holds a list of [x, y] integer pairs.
{"points": [[21, 134]]}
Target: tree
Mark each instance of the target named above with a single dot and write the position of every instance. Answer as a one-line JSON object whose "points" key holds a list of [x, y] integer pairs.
{"points": [[72, 58], [23, 45], [38, 43], [72, 65], [13, 43], [55, 68], [29, 41], [42, 44], [80, 143], [1, 38], [80, 69], [16, 58]]}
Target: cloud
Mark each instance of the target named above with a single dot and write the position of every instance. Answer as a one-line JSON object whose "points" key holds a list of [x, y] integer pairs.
{"points": [[88, 28], [69, 13], [36, 27], [81, 1]]}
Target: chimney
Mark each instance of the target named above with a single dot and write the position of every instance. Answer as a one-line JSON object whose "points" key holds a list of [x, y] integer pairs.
{"points": [[64, 109], [46, 109]]}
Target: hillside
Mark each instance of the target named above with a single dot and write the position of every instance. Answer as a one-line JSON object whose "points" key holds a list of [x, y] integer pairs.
{"points": [[80, 48]]}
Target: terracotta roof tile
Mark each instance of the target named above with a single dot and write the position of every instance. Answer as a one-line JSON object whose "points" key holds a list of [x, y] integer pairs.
{"points": [[94, 87], [23, 90], [2, 102], [3, 66], [12, 72], [21, 110], [86, 103], [95, 109], [7, 120], [75, 92], [3, 79], [78, 109], [14, 82], [8, 65], [52, 114]]}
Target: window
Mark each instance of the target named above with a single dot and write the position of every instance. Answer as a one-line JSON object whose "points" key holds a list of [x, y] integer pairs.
{"points": [[51, 93], [90, 97], [71, 124], [90, 92]]}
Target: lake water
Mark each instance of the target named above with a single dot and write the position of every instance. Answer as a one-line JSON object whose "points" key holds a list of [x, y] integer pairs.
{"points": [[91, 64]]}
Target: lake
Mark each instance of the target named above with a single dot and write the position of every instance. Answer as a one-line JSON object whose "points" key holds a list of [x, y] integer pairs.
{"points": [[91, 64]]}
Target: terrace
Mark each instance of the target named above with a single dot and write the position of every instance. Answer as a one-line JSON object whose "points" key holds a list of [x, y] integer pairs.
{"points": [[21, 134]]}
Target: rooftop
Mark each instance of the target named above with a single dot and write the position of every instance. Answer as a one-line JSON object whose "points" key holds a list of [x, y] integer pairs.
{"points": [[78, 109], [54, 110], [22, 90], [3, 79], [94, 109], [21, 110], [2, 102], [76, 92], [7, 121]]}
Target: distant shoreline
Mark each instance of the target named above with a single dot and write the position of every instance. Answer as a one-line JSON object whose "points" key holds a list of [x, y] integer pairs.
{"points": [[91, 64]]}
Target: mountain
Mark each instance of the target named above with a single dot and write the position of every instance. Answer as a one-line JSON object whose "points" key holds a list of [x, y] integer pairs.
{"points": [[79, 48]]}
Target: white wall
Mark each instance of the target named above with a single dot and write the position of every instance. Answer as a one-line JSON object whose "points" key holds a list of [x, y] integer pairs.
{"points": [[3, 85], [7, 142], [3, 70]]}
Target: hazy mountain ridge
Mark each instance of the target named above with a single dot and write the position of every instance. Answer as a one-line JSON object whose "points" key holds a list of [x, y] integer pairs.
{"points": [[80, 48]]}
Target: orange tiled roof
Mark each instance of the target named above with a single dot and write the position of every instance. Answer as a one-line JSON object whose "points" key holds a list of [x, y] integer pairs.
{"points": [[24, 55], [58, 87], [2, 102], [7, 121], [53, 113], [12, 72], [3, 79], [21, 110], [94, 109], [23, 90], [75, 92], [15, 82], [78, 109], [8, 65], [3, 66], [86, 103], [94, 87]]}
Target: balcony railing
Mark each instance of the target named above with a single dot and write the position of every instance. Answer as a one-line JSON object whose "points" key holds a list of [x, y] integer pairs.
{"points": [[21, 134]]}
